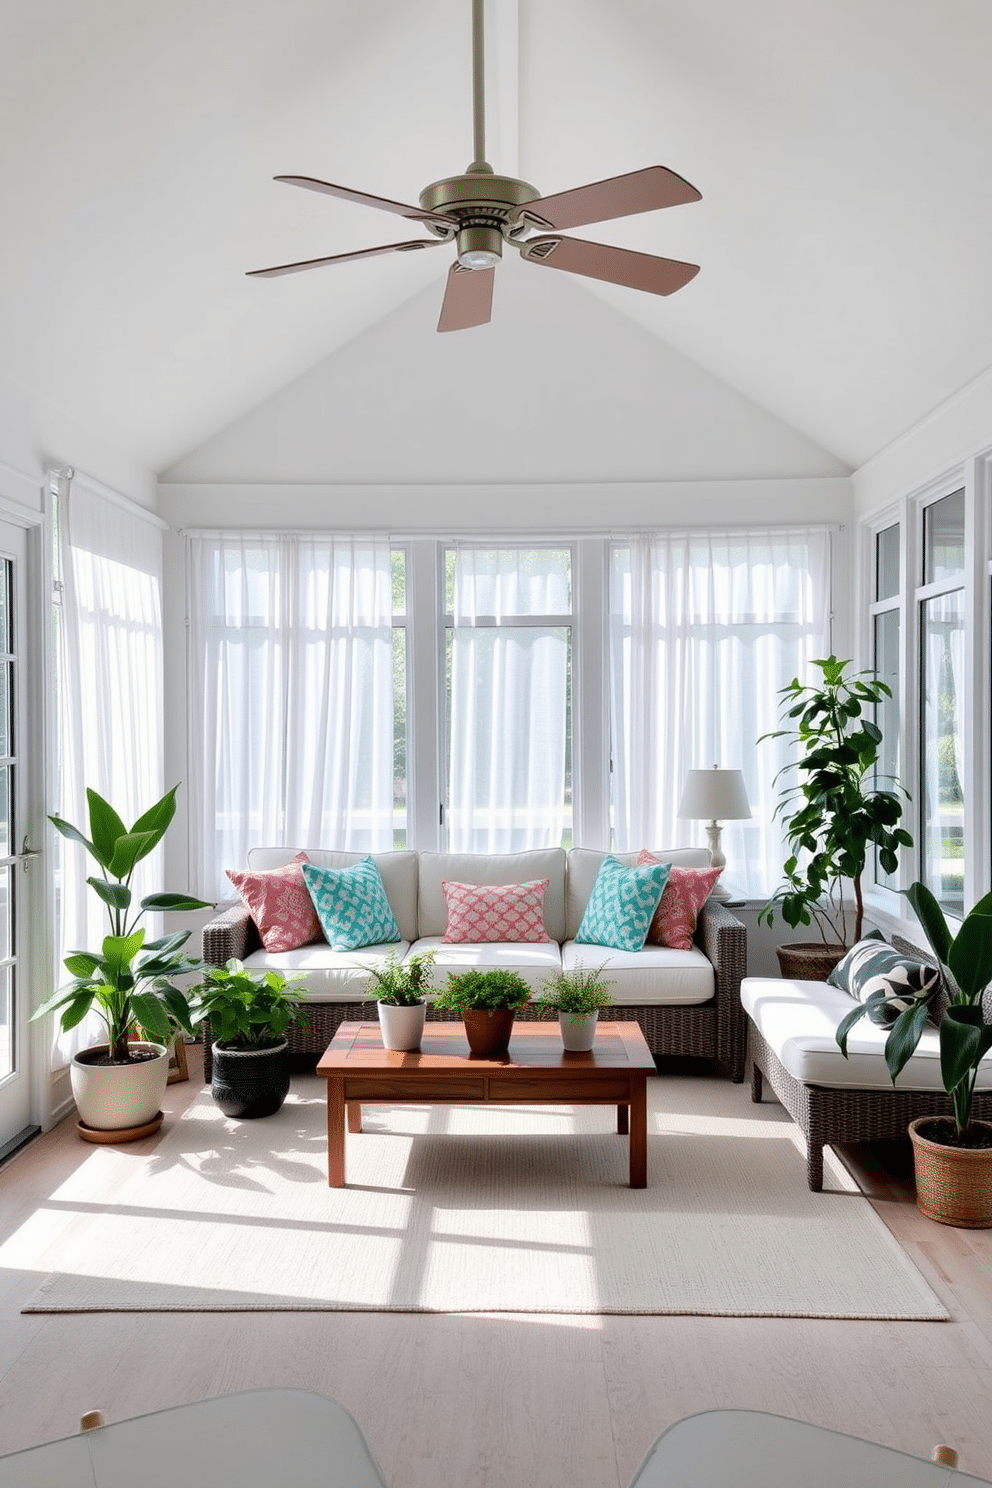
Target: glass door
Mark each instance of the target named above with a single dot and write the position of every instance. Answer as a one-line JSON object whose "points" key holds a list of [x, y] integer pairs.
{"points": [[20, 863]]}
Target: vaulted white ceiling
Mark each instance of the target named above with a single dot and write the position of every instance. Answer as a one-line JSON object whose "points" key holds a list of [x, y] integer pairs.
{"points": [[843, 151]]}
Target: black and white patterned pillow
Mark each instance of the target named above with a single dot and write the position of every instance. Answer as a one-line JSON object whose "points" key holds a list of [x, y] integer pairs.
{"points": [[877, 974]]}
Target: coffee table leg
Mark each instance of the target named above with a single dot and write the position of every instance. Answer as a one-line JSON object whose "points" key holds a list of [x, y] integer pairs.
{"points": [[354, 1116], [335, 1132], [623, 1120], [638, 1131]]}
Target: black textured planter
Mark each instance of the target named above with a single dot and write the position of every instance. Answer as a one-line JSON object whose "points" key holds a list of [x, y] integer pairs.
{"points": [[247, 1083]]}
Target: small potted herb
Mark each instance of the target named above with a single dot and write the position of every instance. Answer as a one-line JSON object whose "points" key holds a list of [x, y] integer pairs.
{"points": [[248, 1014], [401, 989], [487, 1002], [576, 997]]}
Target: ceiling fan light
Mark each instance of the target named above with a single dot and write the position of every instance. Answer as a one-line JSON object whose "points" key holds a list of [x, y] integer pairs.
{"points": [[479, 247]]}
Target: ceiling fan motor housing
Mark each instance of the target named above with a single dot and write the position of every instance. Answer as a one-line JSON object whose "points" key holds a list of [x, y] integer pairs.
{"points": [[481, 204]]}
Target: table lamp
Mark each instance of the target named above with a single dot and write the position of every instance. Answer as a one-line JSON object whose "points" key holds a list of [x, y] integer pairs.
{"points": [[715, 796]]}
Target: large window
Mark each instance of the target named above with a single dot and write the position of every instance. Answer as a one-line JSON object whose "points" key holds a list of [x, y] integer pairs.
{"points": [[293, 697], [929, 627], [941, 600], [705, 630], [508, 658], [362, 694], [886, 642]]}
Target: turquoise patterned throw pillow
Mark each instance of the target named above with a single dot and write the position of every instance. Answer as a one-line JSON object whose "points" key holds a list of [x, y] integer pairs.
{"points": [[351, 905], [622, 904]]}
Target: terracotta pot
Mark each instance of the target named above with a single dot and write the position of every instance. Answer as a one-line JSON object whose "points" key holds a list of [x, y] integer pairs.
{"points": [[488, 1033], [808, 961], [402, 1028], [953, 1184], [119, 1097], [578, 1031], [249, 1083]]}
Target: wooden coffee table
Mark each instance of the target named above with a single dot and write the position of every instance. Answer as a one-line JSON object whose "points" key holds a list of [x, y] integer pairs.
{"points": [[537, 1071]]}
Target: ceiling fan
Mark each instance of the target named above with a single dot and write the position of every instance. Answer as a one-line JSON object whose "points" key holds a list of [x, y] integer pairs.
{"points": [[479, 211]]}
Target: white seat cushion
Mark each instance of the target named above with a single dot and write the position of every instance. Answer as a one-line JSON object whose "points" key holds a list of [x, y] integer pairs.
{"points": [[798, 1021], [656, 975], [330, 976], [533, 960]]}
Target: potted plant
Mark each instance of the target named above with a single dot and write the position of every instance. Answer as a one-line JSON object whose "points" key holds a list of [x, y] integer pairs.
{"points": [[401, 989], [118, 1086], [832, 812], [248, 1014], [487, 1002], [952, 1154], [577, 997]]}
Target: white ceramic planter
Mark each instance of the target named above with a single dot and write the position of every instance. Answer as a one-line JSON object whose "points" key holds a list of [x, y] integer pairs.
{"points": [[402, 1028], [117, 1097], [578, 1032]]}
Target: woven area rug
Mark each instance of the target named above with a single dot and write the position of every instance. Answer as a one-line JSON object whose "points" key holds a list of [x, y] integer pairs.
{"points": [[469, 1209]]}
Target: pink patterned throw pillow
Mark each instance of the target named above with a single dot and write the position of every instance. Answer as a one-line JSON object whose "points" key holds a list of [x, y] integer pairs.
{"points": [[678, 909], [488, 912], [279, 903]]}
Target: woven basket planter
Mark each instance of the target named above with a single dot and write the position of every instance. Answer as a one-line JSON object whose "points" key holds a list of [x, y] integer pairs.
{"points": [[953, 1184], [810, 961]]}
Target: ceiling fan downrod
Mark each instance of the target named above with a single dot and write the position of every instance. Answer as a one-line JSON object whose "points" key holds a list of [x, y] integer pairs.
{"points": [[480, 201]]}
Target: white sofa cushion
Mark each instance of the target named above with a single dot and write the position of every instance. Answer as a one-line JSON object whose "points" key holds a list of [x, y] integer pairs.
{"points": [[655, 975], [534, 960], [798, 1021], [398, 869], [491, 868], [331, 976], [583, 866]]}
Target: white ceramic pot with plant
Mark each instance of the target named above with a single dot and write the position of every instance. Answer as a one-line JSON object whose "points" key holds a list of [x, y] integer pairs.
{"points": [[119, 1085], [400, 988], [577, 997]]}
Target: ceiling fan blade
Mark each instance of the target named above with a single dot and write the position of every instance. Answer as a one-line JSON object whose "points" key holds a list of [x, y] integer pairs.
{"points": [[468, 298], [661, 276], [621, 196], [316, 263], [415, 214]]}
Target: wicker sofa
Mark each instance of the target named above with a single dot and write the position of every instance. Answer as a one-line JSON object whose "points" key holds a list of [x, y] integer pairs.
{"points": [[686, 1002], [791, 1043]]}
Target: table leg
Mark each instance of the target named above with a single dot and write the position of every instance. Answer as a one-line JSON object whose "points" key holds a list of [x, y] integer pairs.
{"points": [[335, 1132], [354, 1116], [623, 1120], [639, 1131]]}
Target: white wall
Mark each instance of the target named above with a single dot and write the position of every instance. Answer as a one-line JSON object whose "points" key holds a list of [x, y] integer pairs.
{"points": [[957, 429]]}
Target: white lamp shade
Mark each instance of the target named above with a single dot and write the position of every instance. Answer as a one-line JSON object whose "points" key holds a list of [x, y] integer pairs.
{"points": [[714, 795]]}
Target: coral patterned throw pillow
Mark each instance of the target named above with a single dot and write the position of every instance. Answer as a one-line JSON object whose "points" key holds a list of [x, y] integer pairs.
{"points": [[685, 894], [495, 912], [278, 902]]}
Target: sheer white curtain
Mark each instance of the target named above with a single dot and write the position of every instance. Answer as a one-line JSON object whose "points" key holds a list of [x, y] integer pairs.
{"points": [[508, 701], [291, 698], [704, 630], [110, 556]]}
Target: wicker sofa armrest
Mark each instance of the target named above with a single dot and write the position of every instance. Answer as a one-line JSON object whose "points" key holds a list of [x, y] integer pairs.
{"points": [[722, 938], [233, 933]]}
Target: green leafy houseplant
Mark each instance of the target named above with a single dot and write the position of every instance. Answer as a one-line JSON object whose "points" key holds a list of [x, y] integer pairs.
{"points": [[832, 814], [130, 981], [402, 983], [964, 962], [579, 992], [247, 1009], [485, 991]]}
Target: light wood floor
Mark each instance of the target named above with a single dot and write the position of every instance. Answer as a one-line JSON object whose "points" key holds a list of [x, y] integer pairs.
{"points": [[505, 1401]]}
